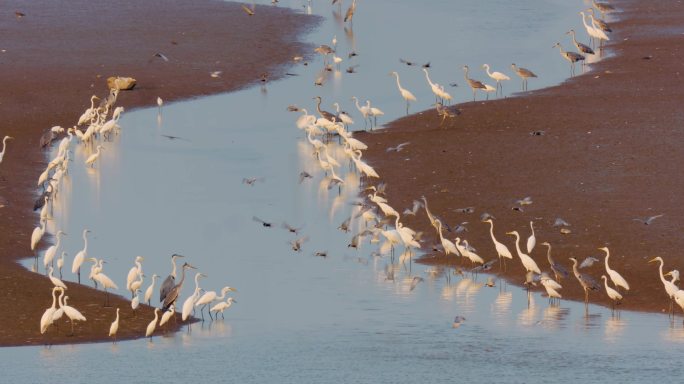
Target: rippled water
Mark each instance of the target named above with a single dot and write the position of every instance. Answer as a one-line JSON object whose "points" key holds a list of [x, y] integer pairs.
{"points": [[349, 317]]}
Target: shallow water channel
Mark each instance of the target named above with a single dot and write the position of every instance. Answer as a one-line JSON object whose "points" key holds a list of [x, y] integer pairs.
{"points": [[351, 316]]}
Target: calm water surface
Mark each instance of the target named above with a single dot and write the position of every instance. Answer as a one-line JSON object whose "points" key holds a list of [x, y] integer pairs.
{"points": [[350, 317]]}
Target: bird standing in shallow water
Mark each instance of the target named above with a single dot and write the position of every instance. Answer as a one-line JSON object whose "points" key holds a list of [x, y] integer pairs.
{"points": [[586, 281], [405, 93], [615, 277]]}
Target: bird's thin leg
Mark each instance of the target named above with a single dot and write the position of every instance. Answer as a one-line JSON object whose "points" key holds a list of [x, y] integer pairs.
{"points": [[407, 106], [79, 275], [60, 273]]}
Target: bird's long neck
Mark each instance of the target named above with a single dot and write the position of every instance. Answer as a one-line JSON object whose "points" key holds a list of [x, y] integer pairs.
{"points": [[491, 231], [62, 300], [397, 78], [59, 240], [574, 268], [465, 73], [439, 230], [517, 244], [584, 21], [318, 105], [182, 277], [223, 295], [85, 241], [356, 101], [662, 277], [197, 287], [574, 40], [117, 315], [427, 76], [532, 228], [4, 143], [54, 297], [156, 314], [606, 260], [173, 271], [548, 255], [488, 72]]}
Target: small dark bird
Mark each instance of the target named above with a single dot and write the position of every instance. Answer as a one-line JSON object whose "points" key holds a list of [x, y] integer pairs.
{"points": [[409, 63], [426, 65], [252, 180], [352, 54], [458, 320], [297, 244], [263, 223], [19, 15], [352, 69], [263, 77], [560, 223], [303, 175], [170, 137], [537, 133], [354, 243], [588, 262], [290, 228], [292, 108], [465, 210], [321, 253], [416, 280], [486, 216], [344, 227]]}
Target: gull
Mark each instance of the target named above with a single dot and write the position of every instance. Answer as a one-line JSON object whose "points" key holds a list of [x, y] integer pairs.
{"points": [[648, 220], [297, 244], [460, 228], [304, 175], [560, 223], [161, 56], [215, 74], [588, 262], [416, 280], [398, 148], [416, 205], [486, 216], [354, 243], [263, 223], [292, 108], [465, 210], [290, 228], [525, 201], [352, 54], [19, 15]]}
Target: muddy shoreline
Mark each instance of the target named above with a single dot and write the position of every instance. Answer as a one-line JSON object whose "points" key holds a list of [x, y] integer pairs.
{"points": [[609, 153], [55, 57]]}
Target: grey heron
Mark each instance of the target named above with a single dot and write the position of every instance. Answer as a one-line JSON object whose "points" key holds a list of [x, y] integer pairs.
{"points": [[170, 280], [524, 74], [571, 57], [558, 269], [588, 283], [172, 295], [474, 84]]}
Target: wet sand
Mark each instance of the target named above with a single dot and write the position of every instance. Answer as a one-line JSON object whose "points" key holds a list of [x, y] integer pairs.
{"points": [[55, 58], [610, 152]]}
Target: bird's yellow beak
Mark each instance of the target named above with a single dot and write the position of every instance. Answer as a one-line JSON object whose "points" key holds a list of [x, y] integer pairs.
{"points": [[653, 259], [669, 273]]}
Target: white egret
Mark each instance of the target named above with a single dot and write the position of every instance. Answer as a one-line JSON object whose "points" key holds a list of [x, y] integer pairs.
{"points": [[135, 301], [80, 256], [89, 113], [73, 314], [137, 284], [448, 246], [501, 249], [365, 110], [532, 240], [211, 296], [4, 146], [134, 272], [60, 310], [438, 90], [551, 287], [46, 319], [222, 306], [670, 287], [90, 161], [600, 34], [114, 328], [496, 76], [305, 120], [612, 293], [374, 112], [615, 277], [170, 280], [189, 303], [167, 315], [405, 93], [342, 115], [150, 289], [55, 281], [37, 234], [60, 263], [50, 253], [474, 257], [105, 281], [529, 264], [152, 325], [160, 102]]}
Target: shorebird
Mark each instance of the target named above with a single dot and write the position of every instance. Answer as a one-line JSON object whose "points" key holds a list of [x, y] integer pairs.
{"points": [[558, 270], [615, 277], [600, 23], [350, 13], [324, 114]]}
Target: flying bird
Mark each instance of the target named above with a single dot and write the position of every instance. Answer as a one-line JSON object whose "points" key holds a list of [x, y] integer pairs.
{"points": [[263, 223], [248, 11], [161, 56], [648, 220], [398, 148]]}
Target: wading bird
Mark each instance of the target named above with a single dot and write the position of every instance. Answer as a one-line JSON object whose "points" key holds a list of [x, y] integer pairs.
{"points": [[114, 328], [49, 256], [46, 319], [133, 273], [501, 250], [90, 161], [612, 293], [524, 74], [222, 306], [72, 313], [532, 240], [211, 296], [172, 296], [4, 146], [615, 277], [474, 84], [580, 47], [558, 270], [170, 280], [80, 256], [152, 325], [586, 281], [571, 57], [529, 264], [496, 76], [189, 303], [150, 289], [670, 287], [405, 93]]}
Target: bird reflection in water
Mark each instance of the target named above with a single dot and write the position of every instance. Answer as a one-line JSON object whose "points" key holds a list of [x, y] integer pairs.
{"points": [[528, 315], [501, 308], [614, 328]]}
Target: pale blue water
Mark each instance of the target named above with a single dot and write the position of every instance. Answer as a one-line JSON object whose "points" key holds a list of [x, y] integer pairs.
{"points": [[301, 318]]}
